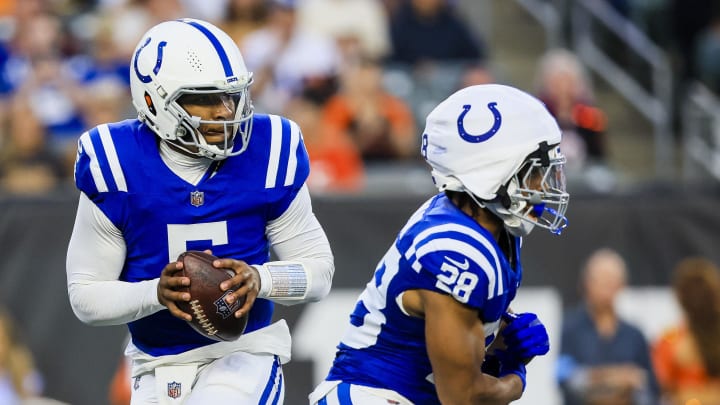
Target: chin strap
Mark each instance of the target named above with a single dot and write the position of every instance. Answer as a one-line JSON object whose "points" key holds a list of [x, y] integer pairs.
{"points": [[502, 206], [515, 225]]}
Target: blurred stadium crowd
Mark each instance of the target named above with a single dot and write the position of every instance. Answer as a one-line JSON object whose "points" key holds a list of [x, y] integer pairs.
{"points": [[324, 63], [358, 76]]}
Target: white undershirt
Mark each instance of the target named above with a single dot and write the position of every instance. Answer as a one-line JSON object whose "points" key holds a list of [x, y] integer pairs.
{"points": [[96, 255]]}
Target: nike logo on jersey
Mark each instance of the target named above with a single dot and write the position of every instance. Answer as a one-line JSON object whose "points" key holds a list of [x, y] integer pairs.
{"points": [[462, 266]]}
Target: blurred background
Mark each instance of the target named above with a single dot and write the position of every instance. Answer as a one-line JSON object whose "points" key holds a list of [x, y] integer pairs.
{"points": [[634, 84]]}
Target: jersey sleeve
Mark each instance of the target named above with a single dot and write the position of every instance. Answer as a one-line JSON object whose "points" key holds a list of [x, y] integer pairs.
{"points": [[289, 164], [451, 263], [98, 173]]}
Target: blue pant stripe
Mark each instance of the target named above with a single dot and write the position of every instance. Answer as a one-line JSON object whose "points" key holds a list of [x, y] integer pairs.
{"points": [[344, 394], [322, 401], [279, 388], [270, 383]]}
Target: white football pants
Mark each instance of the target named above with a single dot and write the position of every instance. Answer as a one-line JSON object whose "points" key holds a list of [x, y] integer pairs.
{"points": [[339, 393], [238, 378]]}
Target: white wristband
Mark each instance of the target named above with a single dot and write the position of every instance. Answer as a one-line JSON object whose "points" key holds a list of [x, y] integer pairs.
{"points": [[282, 280]]}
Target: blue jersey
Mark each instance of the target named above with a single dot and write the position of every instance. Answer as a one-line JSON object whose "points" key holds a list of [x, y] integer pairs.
{"points": [[440, 249], [160, 215]]}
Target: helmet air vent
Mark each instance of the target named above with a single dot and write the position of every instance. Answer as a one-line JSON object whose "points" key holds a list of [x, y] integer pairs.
{"points": [[194, 61]]}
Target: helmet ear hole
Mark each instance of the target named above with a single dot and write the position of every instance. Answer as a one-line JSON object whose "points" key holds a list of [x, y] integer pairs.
{"points": [[150, 104], [443, 182]]}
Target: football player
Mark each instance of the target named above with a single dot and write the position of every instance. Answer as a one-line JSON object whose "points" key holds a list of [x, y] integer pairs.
{"points": [[421, 331], [198, 170]]}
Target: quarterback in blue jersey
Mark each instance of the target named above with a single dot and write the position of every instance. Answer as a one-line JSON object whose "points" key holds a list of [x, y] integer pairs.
{"points": [[424, 329], [198, 170]]}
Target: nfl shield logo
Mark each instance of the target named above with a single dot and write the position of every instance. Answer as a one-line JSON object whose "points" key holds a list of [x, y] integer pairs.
{"points": [[174, 389], [197, 198], [222, 307]]}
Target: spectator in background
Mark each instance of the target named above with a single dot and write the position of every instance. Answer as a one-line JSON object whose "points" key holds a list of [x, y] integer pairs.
{"points": [[105, 100], [288, 61], [19, 379], [431, 47], [102, 58], [562, 84], [208, 10], [431, 31], [26, 38], [243, 17], [27, 165], [687, 357], [35, 34], [381, 125], [476, 74], [603, 359], [131, 18], [120, 389], [54, 97], [335, 162], [359, 27]]}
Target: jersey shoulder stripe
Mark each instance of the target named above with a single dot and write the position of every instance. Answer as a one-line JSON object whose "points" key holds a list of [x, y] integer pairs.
{"points": [[288, 162], [98, 167]]}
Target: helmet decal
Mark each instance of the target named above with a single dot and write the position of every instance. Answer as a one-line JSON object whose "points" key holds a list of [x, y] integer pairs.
{"points": [[227, 67], [150, 104], [483, 137], [146, 78]]}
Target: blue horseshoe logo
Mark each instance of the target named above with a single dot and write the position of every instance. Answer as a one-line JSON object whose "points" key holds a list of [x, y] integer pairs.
{"points": [[482, 137], [146, 78]]}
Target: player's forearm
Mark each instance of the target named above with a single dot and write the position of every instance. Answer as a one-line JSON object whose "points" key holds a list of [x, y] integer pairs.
{"points": [[481, 389], [104, 303], [306, 260], [294, 282], [95, 258]]}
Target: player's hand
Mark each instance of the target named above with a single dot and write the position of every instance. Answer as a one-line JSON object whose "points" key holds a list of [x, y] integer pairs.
{"points": [[167, 289], [246, 282], [513, 367], [525, 336]]}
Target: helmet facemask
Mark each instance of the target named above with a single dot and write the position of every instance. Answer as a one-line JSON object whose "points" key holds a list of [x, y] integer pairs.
{"points": [[535, 194], [188, 135]]}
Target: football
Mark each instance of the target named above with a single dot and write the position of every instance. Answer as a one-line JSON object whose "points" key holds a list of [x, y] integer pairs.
{"points": [[211, 314]]}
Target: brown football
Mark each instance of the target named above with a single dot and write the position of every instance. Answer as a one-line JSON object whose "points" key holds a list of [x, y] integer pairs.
{"points": [[211, 314]]}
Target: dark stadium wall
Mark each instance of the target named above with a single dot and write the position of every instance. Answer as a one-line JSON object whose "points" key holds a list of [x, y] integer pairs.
{"points": [[652, 231]]}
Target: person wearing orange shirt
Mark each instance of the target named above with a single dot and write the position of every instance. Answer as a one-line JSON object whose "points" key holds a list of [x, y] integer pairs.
{"points": [[687, 357], [380, 124]]}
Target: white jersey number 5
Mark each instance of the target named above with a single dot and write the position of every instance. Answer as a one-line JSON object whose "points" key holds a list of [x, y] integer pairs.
{"points": [[179, 235]]}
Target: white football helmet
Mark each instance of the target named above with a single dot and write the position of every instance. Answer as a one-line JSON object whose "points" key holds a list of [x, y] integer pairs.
{"points": [[194, 59], [500, 145]]}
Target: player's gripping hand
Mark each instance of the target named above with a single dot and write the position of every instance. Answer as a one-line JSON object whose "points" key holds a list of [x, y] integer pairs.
{"points": [[501, 364], [167, 289], [246, 282], [525, 336]]}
